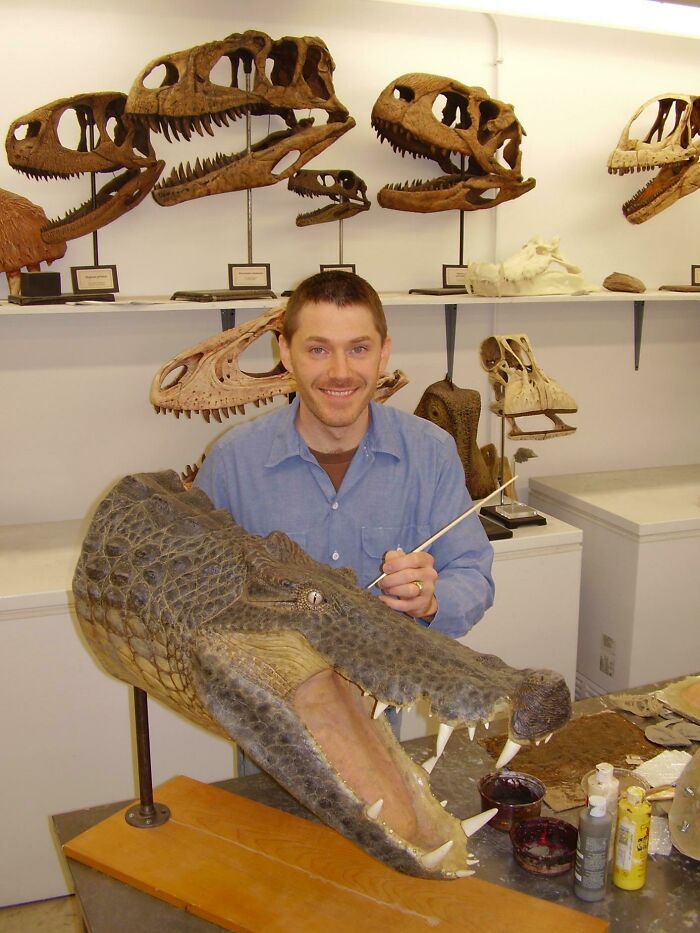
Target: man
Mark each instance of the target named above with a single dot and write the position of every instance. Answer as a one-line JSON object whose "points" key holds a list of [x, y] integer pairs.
{"points": [[355, 483]]}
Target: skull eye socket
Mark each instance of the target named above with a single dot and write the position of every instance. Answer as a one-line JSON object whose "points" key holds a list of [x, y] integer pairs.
{"points": [[163, 74], [401, 92], [314, 598]]}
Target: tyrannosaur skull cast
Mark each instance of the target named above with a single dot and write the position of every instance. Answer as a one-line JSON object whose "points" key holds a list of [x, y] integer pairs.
{"points": [[347, 191], [207, 379], [671, 145], [108, 141], [295, 661], [266, 78], [476, 142]]}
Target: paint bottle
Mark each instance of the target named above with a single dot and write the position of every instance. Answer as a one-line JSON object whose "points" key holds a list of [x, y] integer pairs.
{"points": [[604, 783], [632, 840], [591, 867]]}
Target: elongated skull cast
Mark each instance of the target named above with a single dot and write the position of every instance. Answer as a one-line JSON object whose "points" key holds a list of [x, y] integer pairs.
{"points": [[107, 142], [671, 145], [476, 142], [266, 78], [207, 379], [347, 191]]}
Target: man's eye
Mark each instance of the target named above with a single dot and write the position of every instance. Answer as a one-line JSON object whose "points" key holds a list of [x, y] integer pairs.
{"points": [[317, 351], [359, 350]]}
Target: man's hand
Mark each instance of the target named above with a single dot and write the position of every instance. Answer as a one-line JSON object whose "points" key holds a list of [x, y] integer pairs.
{"points": [[409, 584]]}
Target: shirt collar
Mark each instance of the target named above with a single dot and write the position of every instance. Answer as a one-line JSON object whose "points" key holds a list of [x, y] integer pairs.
{"points": [[381, 436]]}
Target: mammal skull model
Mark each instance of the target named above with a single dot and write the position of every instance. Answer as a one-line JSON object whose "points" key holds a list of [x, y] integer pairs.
{"points": [[482, 134]]}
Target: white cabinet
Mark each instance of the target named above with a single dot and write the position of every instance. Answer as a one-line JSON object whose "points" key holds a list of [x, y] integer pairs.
{"points": [[640, 606]]}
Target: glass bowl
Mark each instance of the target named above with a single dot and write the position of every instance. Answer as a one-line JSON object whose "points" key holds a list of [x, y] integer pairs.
{"points": [[516, 795], [544, 845]]}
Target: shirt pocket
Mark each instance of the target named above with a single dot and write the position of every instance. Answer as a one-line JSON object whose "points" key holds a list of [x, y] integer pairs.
{"points": [[376, 541]]}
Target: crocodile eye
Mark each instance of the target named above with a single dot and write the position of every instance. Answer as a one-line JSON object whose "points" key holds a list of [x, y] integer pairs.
{"points": [[314, 598]]}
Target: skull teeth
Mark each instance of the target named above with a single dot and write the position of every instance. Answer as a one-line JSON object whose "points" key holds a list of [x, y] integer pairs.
{"points": [[431, 860]]}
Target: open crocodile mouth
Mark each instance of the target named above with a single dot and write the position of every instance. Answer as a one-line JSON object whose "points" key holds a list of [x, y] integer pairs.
{"points": [[669, 177], [119, 195]]}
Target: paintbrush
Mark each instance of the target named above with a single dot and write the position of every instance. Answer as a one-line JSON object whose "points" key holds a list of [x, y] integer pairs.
{"points": [[455, 521]]}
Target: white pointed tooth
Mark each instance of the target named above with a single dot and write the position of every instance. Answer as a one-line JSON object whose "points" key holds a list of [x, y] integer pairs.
{"points": [[444, 732], [443, 803], [429, 764], [432, 859], [376, 808], [365, 693], [472, 861], [474, 823], [548, 737], [487, 724], [510, 750], [472, 732], [464, 873], [537, 741], [379, 709]]}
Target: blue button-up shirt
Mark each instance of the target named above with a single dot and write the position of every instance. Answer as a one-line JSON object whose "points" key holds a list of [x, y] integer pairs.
{"points": [[404, 483]]}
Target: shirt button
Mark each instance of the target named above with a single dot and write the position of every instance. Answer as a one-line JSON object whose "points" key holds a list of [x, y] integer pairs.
{"points": [[335, 556], [334, 506]]}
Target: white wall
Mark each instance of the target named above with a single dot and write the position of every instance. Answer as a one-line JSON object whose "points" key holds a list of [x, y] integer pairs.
{"points": [[74, 412]]}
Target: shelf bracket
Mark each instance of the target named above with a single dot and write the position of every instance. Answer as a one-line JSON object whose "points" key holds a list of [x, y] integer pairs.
{"points": [[228, 318], [638, 322], [450, 330]]}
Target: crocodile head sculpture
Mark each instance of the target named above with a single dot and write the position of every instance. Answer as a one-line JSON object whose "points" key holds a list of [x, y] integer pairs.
{"points": [[21, 242], [207, 379], [107, 142], [476, 142], [251, 637], [265, 78], [347, 191], [671, 145]]}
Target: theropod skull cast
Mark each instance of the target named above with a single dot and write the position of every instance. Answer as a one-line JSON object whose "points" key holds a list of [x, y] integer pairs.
{"points": [[207, 379], [476, 142], [671, 145], [347, 191], [107, 142], [265, 78], [251, 637]]}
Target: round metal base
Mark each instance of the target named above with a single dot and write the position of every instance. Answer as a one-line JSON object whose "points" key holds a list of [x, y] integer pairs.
{"points": [[147, 817]]}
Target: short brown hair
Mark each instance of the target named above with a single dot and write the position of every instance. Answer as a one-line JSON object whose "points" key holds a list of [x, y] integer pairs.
{"points": [[339, 288]]}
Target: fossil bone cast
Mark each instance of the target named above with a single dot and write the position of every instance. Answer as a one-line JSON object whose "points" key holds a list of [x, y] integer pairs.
{"points": [[207, 379], [251, 637], [347, 191], [475, 141], [21, 242], [538, 268], [457, 411], [623, 282], [522, 389], [671, 145], [35, 147], [286, 75]]}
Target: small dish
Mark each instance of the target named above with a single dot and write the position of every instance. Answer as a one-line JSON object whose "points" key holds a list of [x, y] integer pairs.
{"points": [[544, 845], [516, 795]]}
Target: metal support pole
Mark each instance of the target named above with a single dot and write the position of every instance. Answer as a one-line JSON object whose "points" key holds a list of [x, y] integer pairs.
{"points": [[638, 322], [450, 331], [93, 193], [147, 814], [248, 65], [340, 242]]}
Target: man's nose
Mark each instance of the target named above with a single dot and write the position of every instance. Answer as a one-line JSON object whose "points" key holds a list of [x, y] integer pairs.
{"points": [[339, 365]]}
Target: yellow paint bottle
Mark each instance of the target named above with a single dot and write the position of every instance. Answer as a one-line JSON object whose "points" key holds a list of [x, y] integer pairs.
{"points": [[632, 840]]}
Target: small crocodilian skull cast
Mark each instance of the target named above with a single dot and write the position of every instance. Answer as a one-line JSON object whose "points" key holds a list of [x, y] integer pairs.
{"points": [[522, 389], [347, 191], [207, 379], [263, 78], [475, 140], [107, 142], [671, 145]]}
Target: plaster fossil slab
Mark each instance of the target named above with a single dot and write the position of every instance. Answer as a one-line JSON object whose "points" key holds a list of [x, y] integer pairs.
{"points": [[538, 268], [108, 142], [250, 637], [289, 77], [670, 147], [683, 697], [475, 141]]}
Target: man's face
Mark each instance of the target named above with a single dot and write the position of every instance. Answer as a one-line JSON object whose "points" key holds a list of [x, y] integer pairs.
{"points": [[336, 356]]}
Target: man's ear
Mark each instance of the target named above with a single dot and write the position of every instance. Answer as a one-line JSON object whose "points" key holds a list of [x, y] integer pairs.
{"points": [[385, 353], [285, 355]]}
